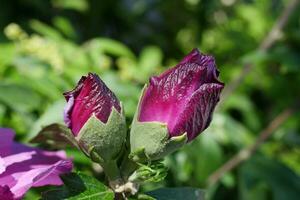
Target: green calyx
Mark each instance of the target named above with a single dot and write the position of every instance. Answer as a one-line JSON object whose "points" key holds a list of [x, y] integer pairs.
{"points": [[155, 171], [103, 142], [150, 140]]}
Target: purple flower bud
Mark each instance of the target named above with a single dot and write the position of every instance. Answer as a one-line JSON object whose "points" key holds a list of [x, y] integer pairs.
{"points": [[183, 97], [90, 96]]}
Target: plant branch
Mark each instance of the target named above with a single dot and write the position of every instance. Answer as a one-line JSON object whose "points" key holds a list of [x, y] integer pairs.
{"points": [[274, 34], [265, 45], [113, 174], [245, 153]]}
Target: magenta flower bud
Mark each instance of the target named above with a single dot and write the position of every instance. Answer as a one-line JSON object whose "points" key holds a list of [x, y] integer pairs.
{"points": [[90, 96], [175, 107], [183, 97], [96, 119]]}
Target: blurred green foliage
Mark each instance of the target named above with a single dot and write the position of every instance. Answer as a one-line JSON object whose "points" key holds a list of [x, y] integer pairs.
{"points": [[46, 46]]}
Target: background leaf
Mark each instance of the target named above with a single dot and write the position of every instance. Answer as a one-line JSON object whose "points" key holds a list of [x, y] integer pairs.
{"points": [[177, 194], [79, 186], [18, 98], [56, 136]]}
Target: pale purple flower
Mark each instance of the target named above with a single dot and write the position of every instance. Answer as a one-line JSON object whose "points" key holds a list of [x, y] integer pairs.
{"points": [[90, 96], [183, 97], [23, 167]]}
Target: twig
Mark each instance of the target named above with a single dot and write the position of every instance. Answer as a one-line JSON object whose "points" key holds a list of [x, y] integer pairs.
{"points": [[274, 34], [245, 153], [265, 45]]}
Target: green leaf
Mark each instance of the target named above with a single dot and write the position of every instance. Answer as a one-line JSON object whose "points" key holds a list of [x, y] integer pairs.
{"points": [[45, 29], [78, 5], [261, 176], [110, 46], [64, 25], [78, 157], [142, 197], [7, 52], [198, 164], [186, 193], [246, 107], [78, 186], [127, 92], [52, 115], [150, 60], [2, 113], [18, 98], [56, 136]]}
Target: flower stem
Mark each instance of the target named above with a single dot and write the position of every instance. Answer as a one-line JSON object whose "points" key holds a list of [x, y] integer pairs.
{"points": [[127, 167], [113, 174]]}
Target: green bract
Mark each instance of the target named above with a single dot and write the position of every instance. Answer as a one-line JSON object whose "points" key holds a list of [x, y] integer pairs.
{"points": [[150, 140], [103, 142]]}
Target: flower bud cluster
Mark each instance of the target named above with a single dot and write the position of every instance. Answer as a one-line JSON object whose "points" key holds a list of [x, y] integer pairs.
{"points": [[174, 108]]}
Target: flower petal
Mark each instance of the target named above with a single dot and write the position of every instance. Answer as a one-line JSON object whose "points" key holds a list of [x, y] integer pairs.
{"points": [[2, 165], [91, 95], [20, 157], [40, 176], [5, 143], [197, 113], [23, 167], [5, 193], [167, 94]]}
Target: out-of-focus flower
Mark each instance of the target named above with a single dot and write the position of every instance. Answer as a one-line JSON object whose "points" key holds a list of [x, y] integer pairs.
{"points": [[23, 167], [96, 118], [180, 100]]}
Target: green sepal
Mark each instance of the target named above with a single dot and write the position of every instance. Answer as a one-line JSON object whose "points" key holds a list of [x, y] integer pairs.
{"points": [[155, 171], [103, 142], [56, 136], [150, 140]]}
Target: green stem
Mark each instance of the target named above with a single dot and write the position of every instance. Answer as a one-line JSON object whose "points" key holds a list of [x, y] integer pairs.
{"points": [[127, 167], [111, 170]]}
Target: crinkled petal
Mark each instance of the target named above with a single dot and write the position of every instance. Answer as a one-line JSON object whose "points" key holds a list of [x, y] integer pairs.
{"points": [[194, 62], [167, 94], [91, 95], [197, 113]]}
